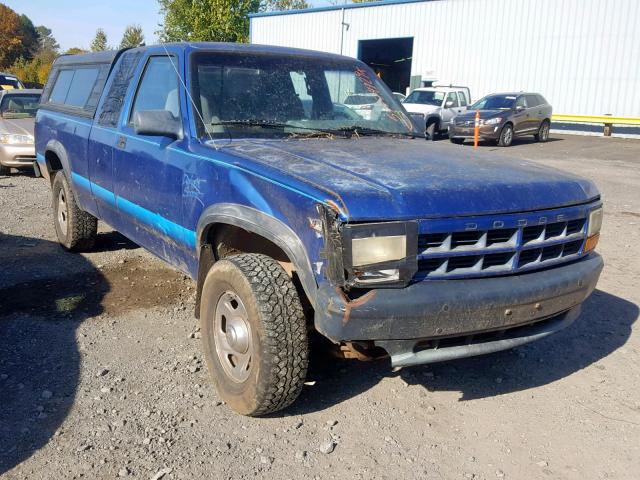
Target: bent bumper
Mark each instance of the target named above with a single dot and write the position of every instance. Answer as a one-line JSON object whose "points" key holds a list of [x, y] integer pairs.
{"points": [[444, 309]]}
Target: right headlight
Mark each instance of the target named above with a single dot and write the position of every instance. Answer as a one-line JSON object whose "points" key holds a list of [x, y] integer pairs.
{"points": [[380, 253], [594, 226]]}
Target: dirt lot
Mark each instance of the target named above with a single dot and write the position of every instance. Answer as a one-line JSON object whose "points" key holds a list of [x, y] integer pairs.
{"points": [[101, 374]]}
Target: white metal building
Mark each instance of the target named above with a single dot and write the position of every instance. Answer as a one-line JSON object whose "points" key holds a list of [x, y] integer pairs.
{"points": [[582, 55]]}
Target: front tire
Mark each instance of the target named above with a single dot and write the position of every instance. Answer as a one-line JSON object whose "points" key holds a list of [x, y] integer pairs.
{"points": [[254, 334], [431, 130], [543, 132], [76, 229], [4, 170], [506, 136]]}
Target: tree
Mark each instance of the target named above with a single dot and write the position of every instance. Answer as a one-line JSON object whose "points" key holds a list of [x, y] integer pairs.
{"points": [[11, 36], [133, 37], [270, 5], [30, 37], [206, 20], [46, 40], [99, 42], [75, 51]]}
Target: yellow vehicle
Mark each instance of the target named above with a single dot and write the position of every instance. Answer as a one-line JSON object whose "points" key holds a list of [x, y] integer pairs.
{"points": [[10, 82]]}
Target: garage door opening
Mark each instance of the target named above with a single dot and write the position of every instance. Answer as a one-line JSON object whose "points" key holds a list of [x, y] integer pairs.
{"points": [[390, 58]]}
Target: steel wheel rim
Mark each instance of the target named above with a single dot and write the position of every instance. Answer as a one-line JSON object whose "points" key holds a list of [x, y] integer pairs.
{"points": [[232, 336], [63, 213], [508, 135]]}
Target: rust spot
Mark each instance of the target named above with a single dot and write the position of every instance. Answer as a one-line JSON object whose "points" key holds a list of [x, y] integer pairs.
{"points": [[350, 304]]}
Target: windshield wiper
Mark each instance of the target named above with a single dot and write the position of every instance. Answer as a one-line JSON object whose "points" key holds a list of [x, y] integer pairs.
{"points": [[262, 124], [361, 131]]}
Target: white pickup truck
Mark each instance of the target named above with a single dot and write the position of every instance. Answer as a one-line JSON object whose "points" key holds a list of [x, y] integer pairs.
{"points": [[435, 106]]}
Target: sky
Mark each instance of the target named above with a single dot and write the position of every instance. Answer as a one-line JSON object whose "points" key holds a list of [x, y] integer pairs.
{"points": [[74, 22]]}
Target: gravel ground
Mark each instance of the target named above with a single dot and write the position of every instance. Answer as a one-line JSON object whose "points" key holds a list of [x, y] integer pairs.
{"points": [[101, 374]]}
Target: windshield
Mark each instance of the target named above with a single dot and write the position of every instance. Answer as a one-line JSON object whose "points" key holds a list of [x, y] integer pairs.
{"points": [[19, 106], [9, 83], [495, 102], [276, 96], [425, 98]]}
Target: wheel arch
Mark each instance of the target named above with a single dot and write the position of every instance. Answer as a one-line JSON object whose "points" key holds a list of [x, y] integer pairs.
{"points": [[56, 159], [254, 222]]}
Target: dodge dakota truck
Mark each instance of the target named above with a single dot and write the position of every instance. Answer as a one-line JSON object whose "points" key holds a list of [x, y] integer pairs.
{"points": [[241, 166]]}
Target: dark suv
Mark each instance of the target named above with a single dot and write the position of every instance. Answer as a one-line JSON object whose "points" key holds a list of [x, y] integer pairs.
{"points": [[504, 116]]}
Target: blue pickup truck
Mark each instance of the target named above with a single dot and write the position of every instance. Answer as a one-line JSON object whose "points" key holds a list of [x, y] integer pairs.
{"points": [[241, 166]]}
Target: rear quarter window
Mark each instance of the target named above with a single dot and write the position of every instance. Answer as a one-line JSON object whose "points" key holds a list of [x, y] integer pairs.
{"points": [[73, 86]]}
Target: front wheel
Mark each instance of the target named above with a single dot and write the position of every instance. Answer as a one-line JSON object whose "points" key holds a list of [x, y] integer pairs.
{"points": [[76, 229], [254, 334], [543, 132], [431, 130], [4, 170], [506, 136]]}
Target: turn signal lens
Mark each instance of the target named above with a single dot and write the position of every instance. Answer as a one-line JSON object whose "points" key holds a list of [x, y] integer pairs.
{"points": [[591, 243]]}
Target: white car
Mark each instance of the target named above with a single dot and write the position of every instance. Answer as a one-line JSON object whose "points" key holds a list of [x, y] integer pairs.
{"points": [[437, 106], [368, 105]]}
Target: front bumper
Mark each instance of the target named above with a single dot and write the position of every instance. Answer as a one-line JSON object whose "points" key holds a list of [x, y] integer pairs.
{"points": [[486, 132], [445, 309], [17, 156]]}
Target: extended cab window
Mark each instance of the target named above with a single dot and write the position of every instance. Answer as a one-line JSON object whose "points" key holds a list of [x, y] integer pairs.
{"points": [[158, 89], [74, 86]]}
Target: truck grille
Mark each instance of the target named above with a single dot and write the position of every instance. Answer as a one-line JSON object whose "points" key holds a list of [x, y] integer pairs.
{"points": [[468, 250]]}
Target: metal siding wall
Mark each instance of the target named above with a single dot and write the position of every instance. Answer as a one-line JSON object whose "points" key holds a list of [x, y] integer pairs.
{"points": [[582, 55]]}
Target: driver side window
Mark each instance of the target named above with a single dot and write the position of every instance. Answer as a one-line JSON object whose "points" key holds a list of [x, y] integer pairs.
{"points": [[158, 89], [521, 102], [451, 101]]}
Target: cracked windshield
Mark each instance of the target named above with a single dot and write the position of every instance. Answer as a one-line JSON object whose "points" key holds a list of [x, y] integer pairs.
{"points": [[273, 97]]}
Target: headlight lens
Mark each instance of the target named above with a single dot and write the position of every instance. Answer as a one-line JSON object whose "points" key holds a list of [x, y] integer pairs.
{"points": [[595, 222], [492, 121], [381, 254], [15, 139], [593, 230], [371, 250]]}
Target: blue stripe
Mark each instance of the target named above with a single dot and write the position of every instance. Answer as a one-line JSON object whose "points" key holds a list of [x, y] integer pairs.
{"points": [[172, 230], [40, 159]]}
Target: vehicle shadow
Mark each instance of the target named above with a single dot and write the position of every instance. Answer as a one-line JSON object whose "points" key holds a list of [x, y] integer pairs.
{"points": [[41, 306], [603, 327], [113, 241]]}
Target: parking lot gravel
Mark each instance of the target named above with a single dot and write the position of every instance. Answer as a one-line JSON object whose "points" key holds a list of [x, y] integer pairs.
{"points": [[101, 374]]}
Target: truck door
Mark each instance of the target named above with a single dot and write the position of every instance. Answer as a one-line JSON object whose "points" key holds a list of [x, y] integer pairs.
{"points": [[450, 108], [104, 137], [148, 172]]}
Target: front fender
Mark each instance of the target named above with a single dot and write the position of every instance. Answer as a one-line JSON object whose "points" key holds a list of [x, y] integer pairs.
{"points": [[267, 226]]}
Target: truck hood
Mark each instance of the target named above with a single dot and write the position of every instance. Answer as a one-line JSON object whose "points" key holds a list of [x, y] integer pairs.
{"points": [[420, 108], [19, 126], [383, 178]]}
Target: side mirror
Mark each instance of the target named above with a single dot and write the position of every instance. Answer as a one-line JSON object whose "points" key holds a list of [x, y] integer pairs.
{"points": [[448, 104], [159, 123], [519, 108]]}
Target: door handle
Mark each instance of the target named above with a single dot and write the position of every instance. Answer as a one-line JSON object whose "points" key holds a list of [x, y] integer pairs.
{"points": [[122, 141]]}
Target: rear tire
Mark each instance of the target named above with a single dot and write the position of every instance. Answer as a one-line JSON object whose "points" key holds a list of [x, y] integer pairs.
{"points": [[457, 141], [506, 136], [254, 334], [76, 229], [543, 132]]}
